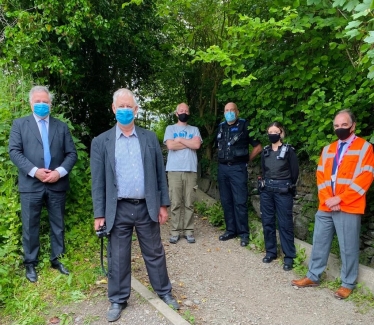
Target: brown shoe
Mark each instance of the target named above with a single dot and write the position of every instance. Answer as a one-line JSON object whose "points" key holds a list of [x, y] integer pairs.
{"points": [[342, 293], [304, 283]]}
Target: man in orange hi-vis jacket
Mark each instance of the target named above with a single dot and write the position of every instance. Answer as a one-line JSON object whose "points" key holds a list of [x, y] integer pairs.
{"points": [[344, 175]]}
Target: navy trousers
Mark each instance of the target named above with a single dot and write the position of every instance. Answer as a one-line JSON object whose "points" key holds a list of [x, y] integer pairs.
{"points": [[31, 207], [233, 189], [278, 204]]}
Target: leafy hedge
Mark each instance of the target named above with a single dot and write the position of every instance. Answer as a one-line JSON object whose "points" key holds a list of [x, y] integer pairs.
{"points": [[78, 217]]}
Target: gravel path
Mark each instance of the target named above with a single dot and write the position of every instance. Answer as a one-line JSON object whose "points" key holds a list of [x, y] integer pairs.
{"points": [[93, 312], [223, 283]]}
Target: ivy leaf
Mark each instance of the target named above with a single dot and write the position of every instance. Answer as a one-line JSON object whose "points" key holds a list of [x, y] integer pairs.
{"points": [[371, 73], [353, 33], [353, 24], [338, 3], [369, 39], [362, 9], [350, 5], [313, 2]]}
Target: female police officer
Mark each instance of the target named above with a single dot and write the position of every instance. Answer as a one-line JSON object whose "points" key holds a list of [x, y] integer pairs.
{"points": [[280, 170]]}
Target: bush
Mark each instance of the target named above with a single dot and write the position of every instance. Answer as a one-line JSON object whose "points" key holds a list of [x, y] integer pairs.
{"points": [[14, 88]]}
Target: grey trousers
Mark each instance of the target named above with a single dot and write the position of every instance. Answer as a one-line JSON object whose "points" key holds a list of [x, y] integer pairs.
{"points": [[347, 227], [128, 216], [181, 194]]}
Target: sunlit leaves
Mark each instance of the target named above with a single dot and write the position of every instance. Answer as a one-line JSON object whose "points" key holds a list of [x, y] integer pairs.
{"points": [[370, 39]]}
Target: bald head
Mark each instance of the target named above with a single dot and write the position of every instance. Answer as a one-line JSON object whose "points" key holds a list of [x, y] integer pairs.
{"points": [[231, 112], [182, 108]]}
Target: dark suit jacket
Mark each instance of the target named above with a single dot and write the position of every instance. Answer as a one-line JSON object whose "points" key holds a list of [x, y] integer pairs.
{"points": [[26, 152], [104, 182]]}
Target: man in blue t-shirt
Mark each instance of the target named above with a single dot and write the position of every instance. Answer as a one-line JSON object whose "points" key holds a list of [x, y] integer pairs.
{"points": [[182, 140]]}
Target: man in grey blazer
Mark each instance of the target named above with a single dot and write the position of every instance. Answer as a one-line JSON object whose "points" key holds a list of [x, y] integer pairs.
{"points": [[44, 152], [129, 189]]}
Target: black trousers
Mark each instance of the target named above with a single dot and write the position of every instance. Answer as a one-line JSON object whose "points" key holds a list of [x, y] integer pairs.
{"points": [[128, 216], [233, 190], [31, 207], [280, 204]]}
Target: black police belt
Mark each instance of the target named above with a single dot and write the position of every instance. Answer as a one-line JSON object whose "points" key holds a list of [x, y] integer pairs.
{"points": [[277, 185]]}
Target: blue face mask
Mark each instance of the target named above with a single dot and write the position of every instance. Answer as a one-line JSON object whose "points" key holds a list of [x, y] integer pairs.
{"points": [[41, 109], [124, 115], [230, 116]]}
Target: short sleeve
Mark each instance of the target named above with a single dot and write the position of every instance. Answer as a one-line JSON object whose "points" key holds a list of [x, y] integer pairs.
{"points": [[169, 135]]}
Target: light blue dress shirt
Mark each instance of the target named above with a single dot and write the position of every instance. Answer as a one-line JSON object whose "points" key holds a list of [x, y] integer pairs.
{"points": [[129, 166], [61, 170]]}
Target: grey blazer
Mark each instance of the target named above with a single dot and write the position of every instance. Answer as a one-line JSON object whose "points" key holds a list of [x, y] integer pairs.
{"points": [[26, 152], [104, 182]]}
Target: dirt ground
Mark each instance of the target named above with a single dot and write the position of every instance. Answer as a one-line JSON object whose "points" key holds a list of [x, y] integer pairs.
{"points": [[223, 283]]}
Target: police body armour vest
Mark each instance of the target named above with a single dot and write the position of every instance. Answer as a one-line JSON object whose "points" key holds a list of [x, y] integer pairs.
{"points": [[233, 142]]}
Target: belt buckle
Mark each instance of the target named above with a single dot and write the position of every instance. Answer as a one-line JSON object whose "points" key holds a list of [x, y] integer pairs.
{"points": [[135, 201], [229, 163]]}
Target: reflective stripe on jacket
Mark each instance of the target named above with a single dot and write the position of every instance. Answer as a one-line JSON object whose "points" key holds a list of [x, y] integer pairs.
{"points": [[354, 176]]}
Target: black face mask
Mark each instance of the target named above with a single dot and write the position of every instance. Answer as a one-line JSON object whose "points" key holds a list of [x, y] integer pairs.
{"points": [[274, 138], [183, 117], [343, 133]]}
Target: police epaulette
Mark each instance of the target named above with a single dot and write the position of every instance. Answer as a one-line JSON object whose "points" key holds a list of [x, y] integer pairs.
{"points": [[290, 146], [222, 123], [242, 119], [266, 147]]}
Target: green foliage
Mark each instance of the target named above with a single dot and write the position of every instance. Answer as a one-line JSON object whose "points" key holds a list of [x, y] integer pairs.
{"points": [[200, 207], [13, 93], [213, 213], [26, 305], [357, 26], [363, 298], [256, 236], [301, 71], [370, 200], [299, 261], [84, 50], [159, 128], [188, 317]]}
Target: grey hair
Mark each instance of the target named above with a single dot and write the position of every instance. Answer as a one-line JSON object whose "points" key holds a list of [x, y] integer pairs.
{"points": [[349, 112], [38, 89], [124, 91]]}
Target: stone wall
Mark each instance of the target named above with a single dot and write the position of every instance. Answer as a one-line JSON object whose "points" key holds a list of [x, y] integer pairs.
{"points": [[305, 207]]}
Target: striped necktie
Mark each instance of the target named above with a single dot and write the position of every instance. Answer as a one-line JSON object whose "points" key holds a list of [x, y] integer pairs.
{"points": [[337, 158]]}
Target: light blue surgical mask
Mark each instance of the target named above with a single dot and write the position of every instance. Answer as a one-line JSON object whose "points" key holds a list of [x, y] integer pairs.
{"points": [[230, 116], [41, 109], [124, 115]]}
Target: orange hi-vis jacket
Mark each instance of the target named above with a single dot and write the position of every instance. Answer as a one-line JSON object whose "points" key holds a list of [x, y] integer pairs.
{"points": [[354, 176]]}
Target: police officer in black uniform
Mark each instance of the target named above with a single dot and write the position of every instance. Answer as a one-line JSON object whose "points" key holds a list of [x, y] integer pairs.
{"points": [[280, 170], [233, 140]]}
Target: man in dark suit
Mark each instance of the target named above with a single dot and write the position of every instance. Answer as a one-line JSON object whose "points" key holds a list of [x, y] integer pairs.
{"points": [[44, 152], [129, 189]]}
